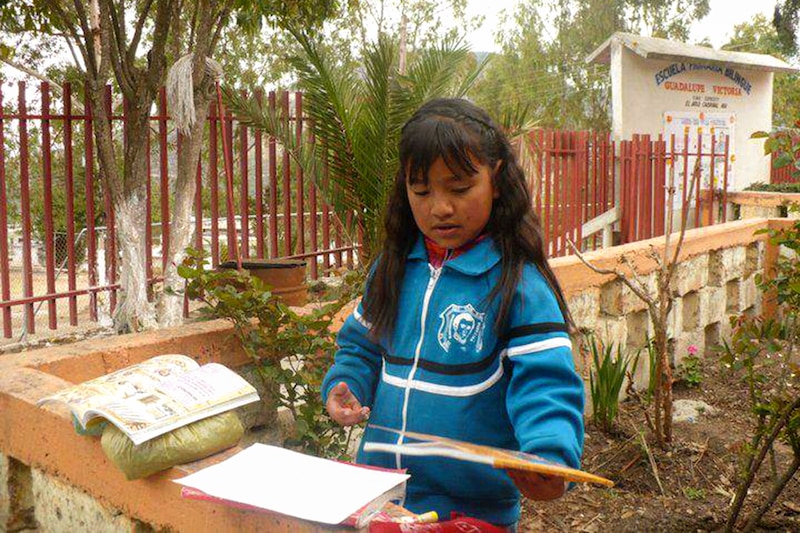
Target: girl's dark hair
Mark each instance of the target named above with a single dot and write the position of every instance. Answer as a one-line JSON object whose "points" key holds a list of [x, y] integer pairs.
{"points": [[458, 131]]}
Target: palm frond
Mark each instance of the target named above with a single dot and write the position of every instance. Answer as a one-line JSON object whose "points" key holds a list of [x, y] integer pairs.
{"points": [[356, 117]]}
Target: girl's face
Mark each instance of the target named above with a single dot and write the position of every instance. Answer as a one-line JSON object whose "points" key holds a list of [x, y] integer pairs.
{"points": [[452, 210]]}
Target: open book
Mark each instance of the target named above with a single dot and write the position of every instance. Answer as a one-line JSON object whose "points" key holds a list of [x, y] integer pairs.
{"points": [[282, 481], [428, 445], [154, 397]]}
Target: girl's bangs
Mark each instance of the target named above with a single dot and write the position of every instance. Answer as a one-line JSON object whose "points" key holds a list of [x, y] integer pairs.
{"points": [[428, 140]]}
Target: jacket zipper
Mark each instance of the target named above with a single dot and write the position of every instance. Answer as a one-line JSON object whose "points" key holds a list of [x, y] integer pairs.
{"points": [[435, 273]]}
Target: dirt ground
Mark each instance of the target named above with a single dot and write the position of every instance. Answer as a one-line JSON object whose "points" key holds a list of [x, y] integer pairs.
{"points": [[698, 475]]}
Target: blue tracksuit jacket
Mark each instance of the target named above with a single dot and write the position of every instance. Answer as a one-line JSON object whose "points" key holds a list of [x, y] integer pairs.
{"points": [[446, 372]]}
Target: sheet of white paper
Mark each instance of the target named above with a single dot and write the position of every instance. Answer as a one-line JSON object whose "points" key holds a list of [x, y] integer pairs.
{"points": [[293, 483]]}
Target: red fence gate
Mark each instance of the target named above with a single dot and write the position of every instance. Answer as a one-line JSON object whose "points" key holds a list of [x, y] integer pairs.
{"points": [[57, 227], [578, 176]]}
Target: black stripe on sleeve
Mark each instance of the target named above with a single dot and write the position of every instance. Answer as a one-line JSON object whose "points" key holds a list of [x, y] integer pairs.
{"points": [[536, 329], [374, 365], [442, 368]]}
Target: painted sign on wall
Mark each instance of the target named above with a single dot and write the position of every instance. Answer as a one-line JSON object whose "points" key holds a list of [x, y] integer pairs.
{"points": [[694, 126], [700, 93]]}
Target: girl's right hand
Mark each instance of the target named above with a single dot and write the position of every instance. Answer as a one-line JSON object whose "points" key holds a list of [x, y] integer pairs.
{"points": [[344, 407]]}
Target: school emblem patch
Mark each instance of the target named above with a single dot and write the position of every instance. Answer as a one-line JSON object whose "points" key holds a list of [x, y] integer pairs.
{"points": [[462, 325]]}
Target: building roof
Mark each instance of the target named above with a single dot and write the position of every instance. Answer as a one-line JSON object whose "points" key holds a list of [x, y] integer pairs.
{"points": [[655, 48]]}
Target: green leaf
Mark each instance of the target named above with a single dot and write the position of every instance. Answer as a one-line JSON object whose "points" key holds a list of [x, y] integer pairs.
{"points": [[783, 160]]}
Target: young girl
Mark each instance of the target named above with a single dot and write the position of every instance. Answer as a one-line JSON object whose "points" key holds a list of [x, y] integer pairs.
{"points": [[463, 329]]}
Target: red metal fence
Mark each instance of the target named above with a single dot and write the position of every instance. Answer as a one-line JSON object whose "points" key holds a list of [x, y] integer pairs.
{"points": [[578, 176], [780, 175], [57, 227]]}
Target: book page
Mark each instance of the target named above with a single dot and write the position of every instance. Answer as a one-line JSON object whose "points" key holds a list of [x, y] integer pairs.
{"points": [[126, 383], [177, 401], [293, 483], [434, 445]]}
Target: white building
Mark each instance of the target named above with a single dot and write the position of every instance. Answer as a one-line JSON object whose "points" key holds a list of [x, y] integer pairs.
{"points": [[664, 87]]}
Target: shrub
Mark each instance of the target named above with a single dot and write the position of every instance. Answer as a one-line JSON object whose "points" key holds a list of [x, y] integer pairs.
{"points": [[292, 351], [606, 378]]}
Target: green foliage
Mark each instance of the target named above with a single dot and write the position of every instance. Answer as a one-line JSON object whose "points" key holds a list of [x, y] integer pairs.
{"points": [[763, 352], [292, 351], [694, 494], [760, 36], [691, 371], [786, 279], [545, 43], [760, 186], [605, 380], [785, 144], [787, 24], [356, 118]]}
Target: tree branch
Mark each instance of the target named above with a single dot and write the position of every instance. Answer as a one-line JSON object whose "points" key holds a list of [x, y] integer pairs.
{"points": [[137, 32], [55, 5], [777, 489], [755, 464], [156, 57], [619, 275], [30, 72], [125, 80], [223, 14], [684, 218]]}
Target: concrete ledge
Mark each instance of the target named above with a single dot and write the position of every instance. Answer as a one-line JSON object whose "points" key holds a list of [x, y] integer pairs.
{"points": [[575, 277], [763, 198], [76, 468]]}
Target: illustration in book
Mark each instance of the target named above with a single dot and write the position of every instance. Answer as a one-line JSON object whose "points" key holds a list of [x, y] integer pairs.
{"points": [[154, 397]]}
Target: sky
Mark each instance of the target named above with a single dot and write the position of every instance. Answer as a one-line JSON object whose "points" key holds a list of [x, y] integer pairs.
{"points": [[717, 26]]}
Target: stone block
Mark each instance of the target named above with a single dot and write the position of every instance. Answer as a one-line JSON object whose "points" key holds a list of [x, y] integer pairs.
{"points": [[641, 374], [695, 310], [16, 497], [713, 335], [691, 275], [585, 308], [5, 493], [733, 297], [725, 329], [749, 293], [675, 318], [754, 258], [725, 265], [61, 507], [639, 329], [618, 299], [756, 211], [612, 329], [717, 304]]}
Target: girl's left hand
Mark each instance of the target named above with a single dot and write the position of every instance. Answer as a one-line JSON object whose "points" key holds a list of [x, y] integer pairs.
{"points": [[537, 486]]}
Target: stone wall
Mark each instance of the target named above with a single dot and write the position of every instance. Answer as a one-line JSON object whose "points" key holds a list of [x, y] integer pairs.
{"points": [[758, 204], [53, 479], [714, 281]]}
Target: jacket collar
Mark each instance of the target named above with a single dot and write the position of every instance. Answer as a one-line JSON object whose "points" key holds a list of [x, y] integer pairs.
{"points": [[476, 261]]}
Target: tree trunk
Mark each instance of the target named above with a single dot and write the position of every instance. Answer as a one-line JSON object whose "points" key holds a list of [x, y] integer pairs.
{"points": [[171, 312], [134, 312], [777, 489], [667, 371], [171, 308]]}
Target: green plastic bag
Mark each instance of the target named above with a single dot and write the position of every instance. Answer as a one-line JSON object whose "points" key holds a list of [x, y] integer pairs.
{"points": [[182, 445]]}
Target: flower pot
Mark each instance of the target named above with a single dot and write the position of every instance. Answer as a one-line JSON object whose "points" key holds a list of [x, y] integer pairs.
{"points": [[285, 277]]}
